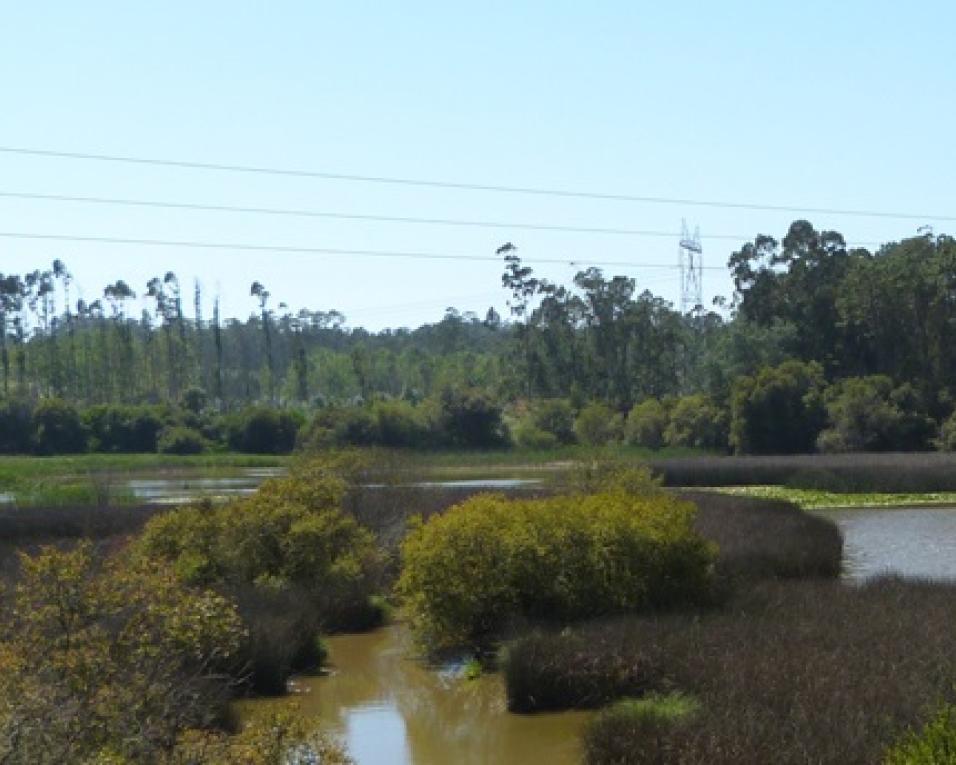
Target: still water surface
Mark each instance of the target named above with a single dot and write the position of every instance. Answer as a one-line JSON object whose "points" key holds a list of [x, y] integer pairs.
{"points": [[916, 542], [391, 709]]}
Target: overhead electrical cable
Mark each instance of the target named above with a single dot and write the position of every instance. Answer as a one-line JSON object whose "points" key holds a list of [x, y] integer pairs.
{"points": [[463, 186], [362, 217], [291, 249]]}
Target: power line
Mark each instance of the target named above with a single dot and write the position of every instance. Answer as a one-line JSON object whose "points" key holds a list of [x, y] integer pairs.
{"points": [[338, 215], [316, 250], [362, 217], [426, 183]]}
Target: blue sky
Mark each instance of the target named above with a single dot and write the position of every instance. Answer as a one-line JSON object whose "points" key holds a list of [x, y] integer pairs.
{"points": [[842, 105]]}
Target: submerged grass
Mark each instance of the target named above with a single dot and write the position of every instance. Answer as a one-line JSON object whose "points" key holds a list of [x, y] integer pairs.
{"points": [[812, 499]]}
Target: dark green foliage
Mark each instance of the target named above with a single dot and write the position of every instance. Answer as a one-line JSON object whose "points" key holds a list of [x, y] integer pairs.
{"points": [[696, 421], [869, 414], [124, 428], [778, 411], [647, 423], [554, 416], [16, 427], [259, 430], [57, 428], [470, 418], [597, 425], [181, 440]]}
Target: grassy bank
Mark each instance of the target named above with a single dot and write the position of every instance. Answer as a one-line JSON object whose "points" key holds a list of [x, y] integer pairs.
{"points": [[97, 480]]}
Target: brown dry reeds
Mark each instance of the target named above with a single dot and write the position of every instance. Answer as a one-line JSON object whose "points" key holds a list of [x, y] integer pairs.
{"points": [[789, 672], [885, 472]]}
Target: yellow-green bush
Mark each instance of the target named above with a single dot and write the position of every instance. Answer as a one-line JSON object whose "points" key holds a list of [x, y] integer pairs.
{"points": [[108, 657], [467, 572], [289, 534]]}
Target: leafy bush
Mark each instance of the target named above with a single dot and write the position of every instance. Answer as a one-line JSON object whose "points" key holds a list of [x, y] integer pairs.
{"points": [[121, 428], [646, 423], [468, 572], [57, 428], [400, 424], [108, 657], [290, 534], [696, 421], [554, 416], [779, 410], [933, 744], [469, 418], [947, 435], [181, 440], [528, 436], [260, 430], [597, 425], [16, 427], [638, 731], [868, 414]]}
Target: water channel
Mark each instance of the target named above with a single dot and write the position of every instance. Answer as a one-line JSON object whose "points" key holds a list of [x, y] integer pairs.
{"points": [[390, 708]]}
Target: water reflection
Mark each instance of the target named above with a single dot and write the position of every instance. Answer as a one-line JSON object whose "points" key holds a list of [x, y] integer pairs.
{"points": [[390, 708], [915, 542]]}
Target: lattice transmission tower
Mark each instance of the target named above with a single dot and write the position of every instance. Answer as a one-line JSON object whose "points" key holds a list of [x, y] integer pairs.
{"points": [[690, 258]]}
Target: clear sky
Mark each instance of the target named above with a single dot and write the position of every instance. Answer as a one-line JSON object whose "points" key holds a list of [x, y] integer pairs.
{"points": [[815, 104]]}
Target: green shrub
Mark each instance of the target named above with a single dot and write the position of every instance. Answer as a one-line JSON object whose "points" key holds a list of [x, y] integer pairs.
{"points": [[597, 425], [528, 436], [57, 428], [947, 435], [470, 418], [108, 656], [260, 430], [122, 428], [696, 421], [868, 414], [180, 440], [291, 534], [555, 416], [469, 571], [646, 423], [779, 410], [933, 744], [16, 427], [638, 731]]}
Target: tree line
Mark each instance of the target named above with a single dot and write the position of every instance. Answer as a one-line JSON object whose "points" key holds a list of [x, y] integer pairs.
{"points": [[820, 346]]}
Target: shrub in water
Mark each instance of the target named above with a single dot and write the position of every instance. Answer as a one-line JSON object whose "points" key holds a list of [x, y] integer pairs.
{"points": [[468, 572]]}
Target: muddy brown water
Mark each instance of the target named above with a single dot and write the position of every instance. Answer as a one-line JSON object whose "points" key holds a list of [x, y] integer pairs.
{"points": [[390, 708]]}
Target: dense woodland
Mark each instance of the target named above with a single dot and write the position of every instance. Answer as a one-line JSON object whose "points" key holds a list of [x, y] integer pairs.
{"points": [[821, 346]]}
